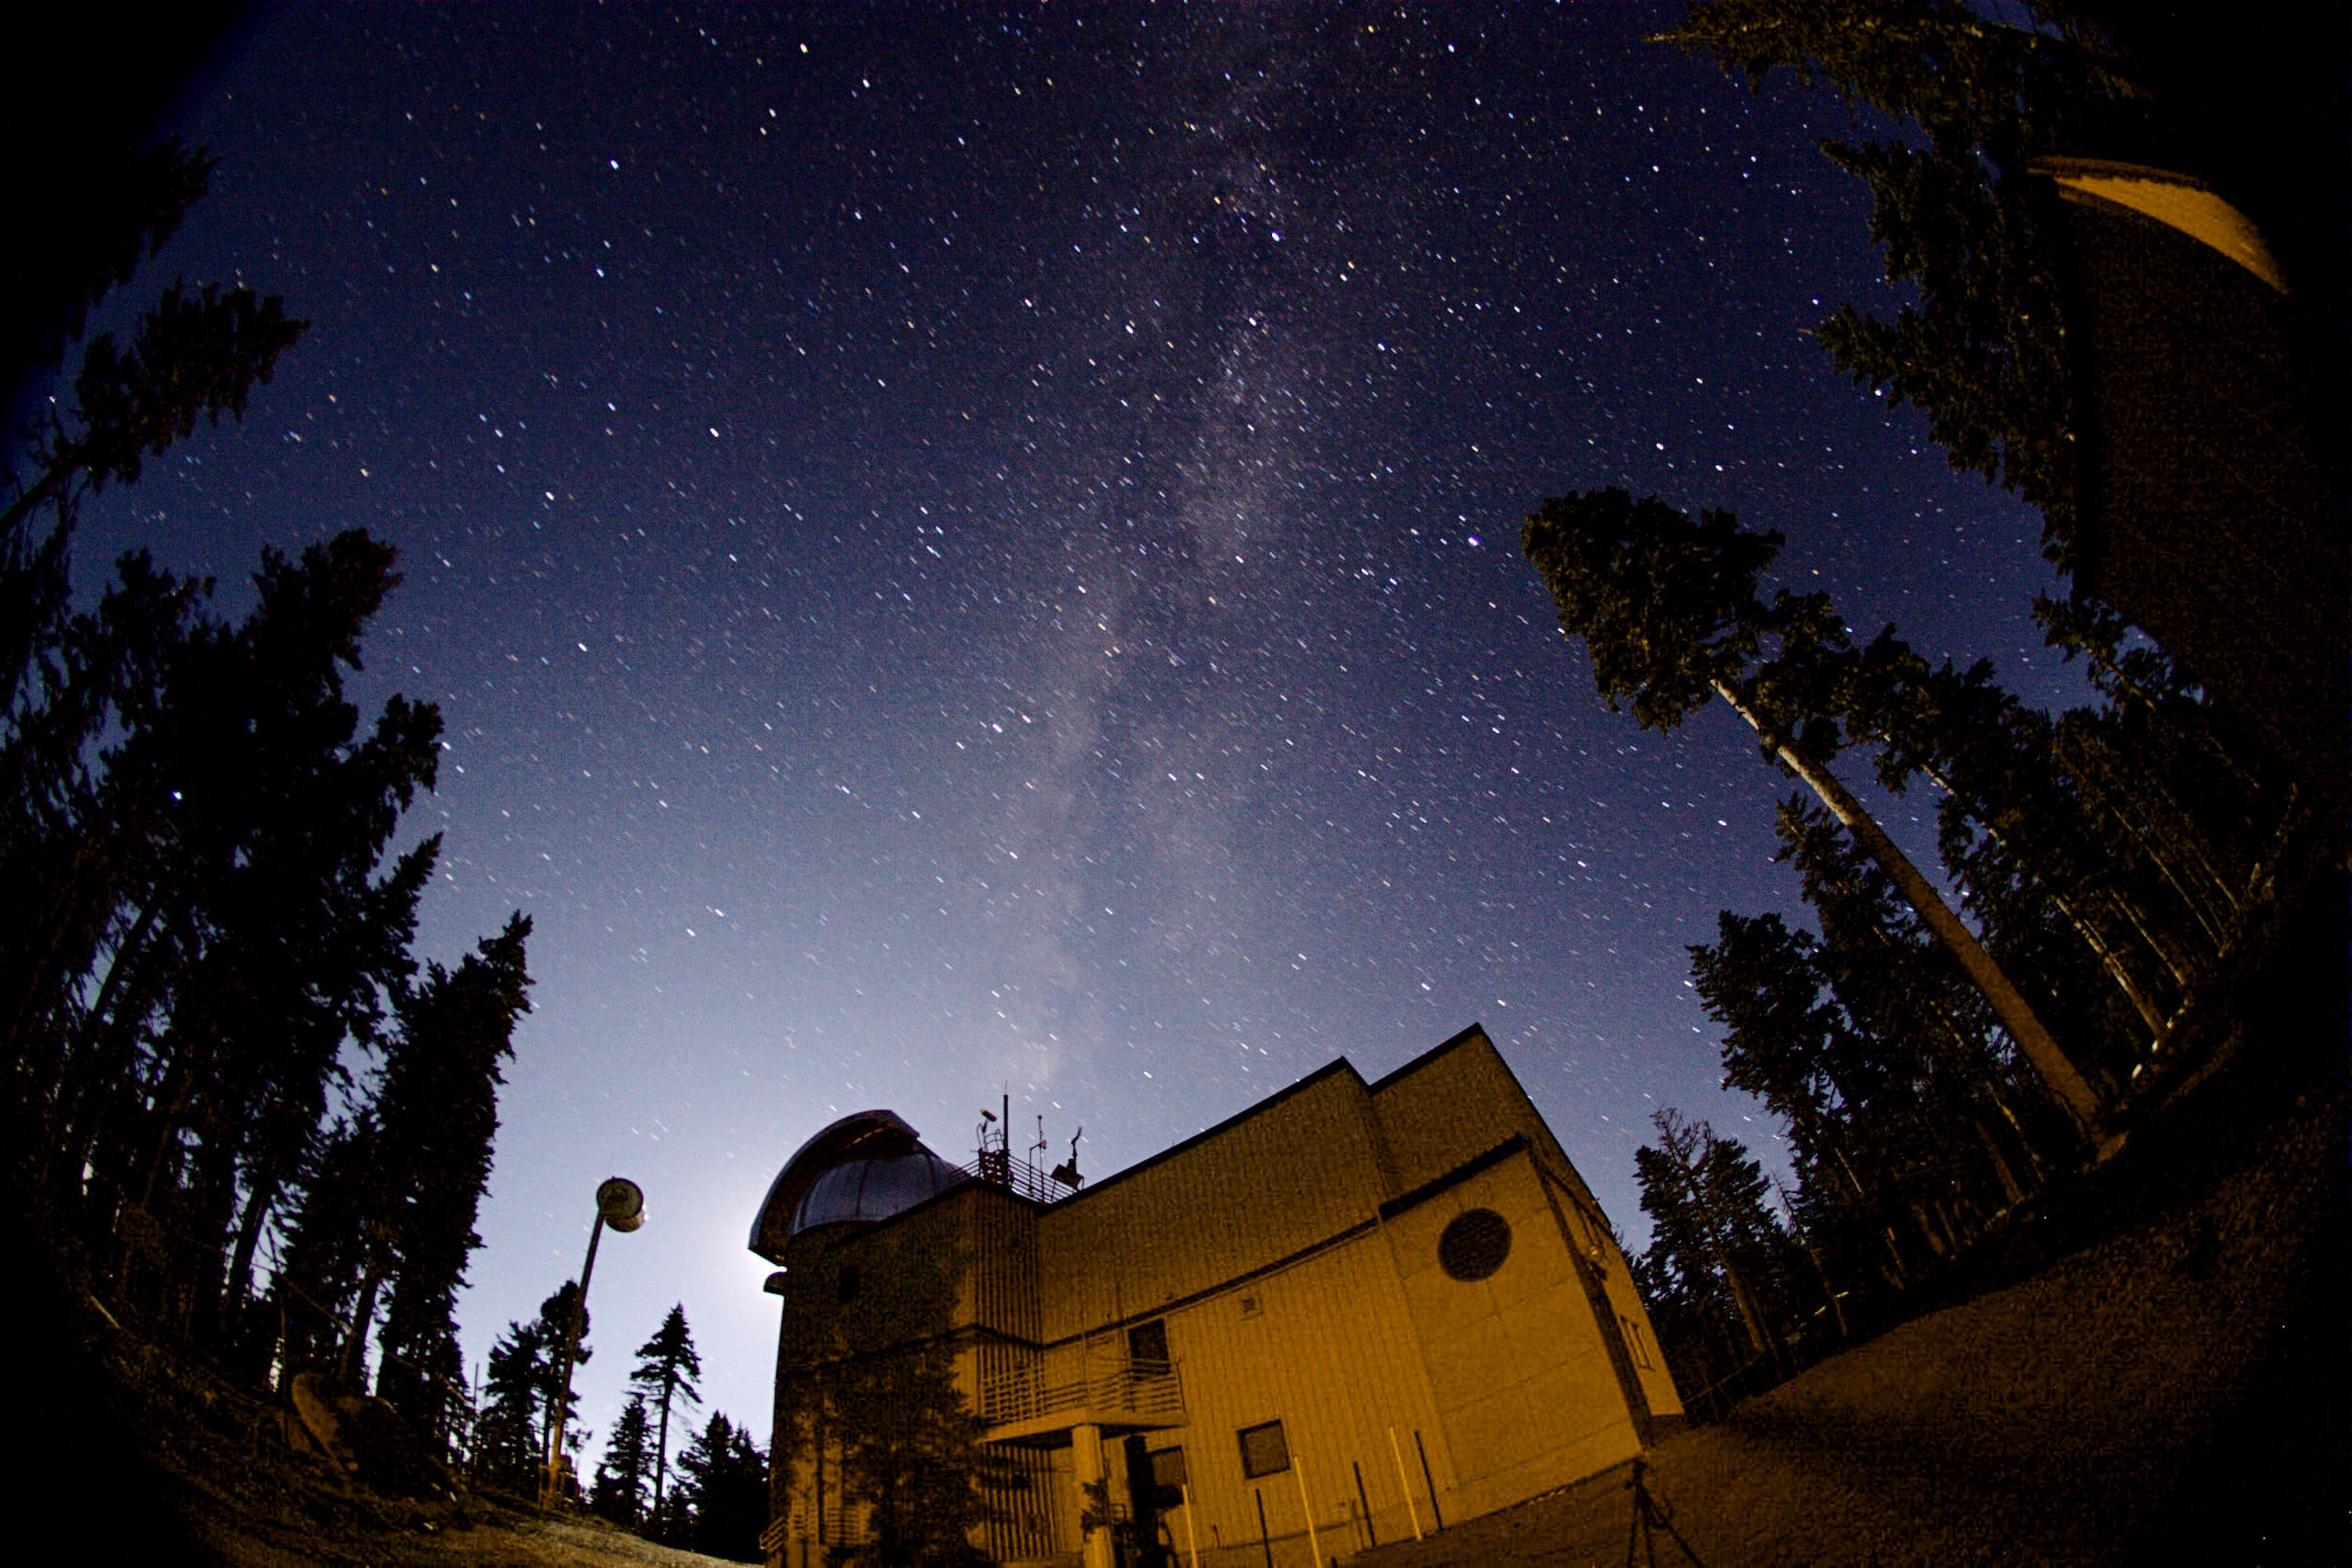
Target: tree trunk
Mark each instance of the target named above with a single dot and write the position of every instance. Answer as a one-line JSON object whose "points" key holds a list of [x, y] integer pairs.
{"points": [[2013, 1191], [2198, 886], [2118, 971], [1750, 1315], [2092, 936], [1958, 1057], [2065, 1081], [1820, 1264], [661, 1449], [353, 1360], [236, 1296], [2180, 964]]}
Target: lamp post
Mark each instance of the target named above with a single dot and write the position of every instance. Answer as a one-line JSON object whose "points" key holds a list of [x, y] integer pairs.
{"points": [[620, 1204]]}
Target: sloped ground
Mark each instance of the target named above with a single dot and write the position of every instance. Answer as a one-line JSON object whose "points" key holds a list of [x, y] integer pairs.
{"points": [[478, 1533], [338, 1528], [2175, 1394], [125, 1455]]}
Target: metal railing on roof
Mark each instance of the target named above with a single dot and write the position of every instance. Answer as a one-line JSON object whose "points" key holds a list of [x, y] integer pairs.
{"points": [[1020, 1178], [1147, 1389]]}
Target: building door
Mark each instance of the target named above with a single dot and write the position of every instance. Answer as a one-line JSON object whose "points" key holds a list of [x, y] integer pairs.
{"points": [[1146, 1548]]}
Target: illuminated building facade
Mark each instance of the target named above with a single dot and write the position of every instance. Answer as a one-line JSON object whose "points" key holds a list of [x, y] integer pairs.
{"points": [[1352, 1313]]}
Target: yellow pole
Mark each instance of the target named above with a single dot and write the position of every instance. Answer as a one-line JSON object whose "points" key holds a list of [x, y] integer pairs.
{"points": [[1403, 1486], [551, 1484], [1191, 1539], [1314, 1546]]}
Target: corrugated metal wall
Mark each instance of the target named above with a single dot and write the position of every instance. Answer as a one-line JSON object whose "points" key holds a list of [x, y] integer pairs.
{"points": [[1288, 1177]]}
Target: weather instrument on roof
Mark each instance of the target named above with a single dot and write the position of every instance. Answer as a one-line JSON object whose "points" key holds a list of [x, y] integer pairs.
{"points": [[1067, 1172], [995, 1146]]}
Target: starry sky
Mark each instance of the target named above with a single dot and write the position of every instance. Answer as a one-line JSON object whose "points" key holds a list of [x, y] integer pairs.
{"points": [[974, 552]]}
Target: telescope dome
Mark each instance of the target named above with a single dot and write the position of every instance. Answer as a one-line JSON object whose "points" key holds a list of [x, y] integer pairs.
{"points": [[863, 1191], [863, 1168]]}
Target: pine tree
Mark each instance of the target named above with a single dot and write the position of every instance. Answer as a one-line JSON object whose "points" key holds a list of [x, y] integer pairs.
{"points": [[508, 1445], [523, 1384], [268, 941], [326, 1253], [195, 356], [1947, 1101], [725, 1489], [437, 1111], [2007, 808], [1704, 1199], [205, 927], [667, 1366], [564, 1321], [1787, 1041], [1784, 1040], [1983, 350], [623, 1489], [2167, 779], [1669, 612], [125, 200]]}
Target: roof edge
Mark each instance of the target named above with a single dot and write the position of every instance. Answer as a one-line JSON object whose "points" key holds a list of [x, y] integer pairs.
{"points": [[1516, 1144], [1336, 1065], [1452, 1042]]}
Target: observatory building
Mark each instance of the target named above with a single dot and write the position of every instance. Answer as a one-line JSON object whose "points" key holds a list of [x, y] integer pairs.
{"points": [[1351, 1314]]}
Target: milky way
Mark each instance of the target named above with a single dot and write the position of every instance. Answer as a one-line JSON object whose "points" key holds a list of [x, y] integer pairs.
{"points": [[972, 554]]}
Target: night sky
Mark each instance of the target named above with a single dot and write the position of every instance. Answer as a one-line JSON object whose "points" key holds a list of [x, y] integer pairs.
{"points": [[976, 553]]}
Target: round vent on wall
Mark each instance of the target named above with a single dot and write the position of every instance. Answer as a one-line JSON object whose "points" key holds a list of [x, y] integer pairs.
{"points": [[1474, 1244]]}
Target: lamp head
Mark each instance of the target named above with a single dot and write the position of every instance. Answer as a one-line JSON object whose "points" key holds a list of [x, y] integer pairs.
{"points": [[621, 1204]]}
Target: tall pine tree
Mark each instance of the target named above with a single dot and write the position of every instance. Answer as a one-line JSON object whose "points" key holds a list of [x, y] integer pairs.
{"points": [[436, 1109], [725, 1491], [1670, 612], [623, 1489], [667, 1366], [1982, 349]]}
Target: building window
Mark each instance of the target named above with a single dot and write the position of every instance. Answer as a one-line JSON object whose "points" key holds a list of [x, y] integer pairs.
{"points": [[845, 1286], [1251, 1306], [1146, 1348], [1168, 1476], [1633, 1341], [1474, 1244], [1264, 1450]]}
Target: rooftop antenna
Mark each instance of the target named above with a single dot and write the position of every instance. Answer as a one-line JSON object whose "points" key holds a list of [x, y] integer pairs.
{"points": [[1067, 1172]]}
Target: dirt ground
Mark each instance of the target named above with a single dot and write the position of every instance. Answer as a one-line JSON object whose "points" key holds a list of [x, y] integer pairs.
{"points": [[131, 1458], [2160, 1398], [480, 1533]]}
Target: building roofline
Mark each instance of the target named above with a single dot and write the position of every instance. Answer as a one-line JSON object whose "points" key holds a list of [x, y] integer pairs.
{"points": [[1336, 1065], [1516, 1144], [1330, 1069], [1429, 1057]]}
